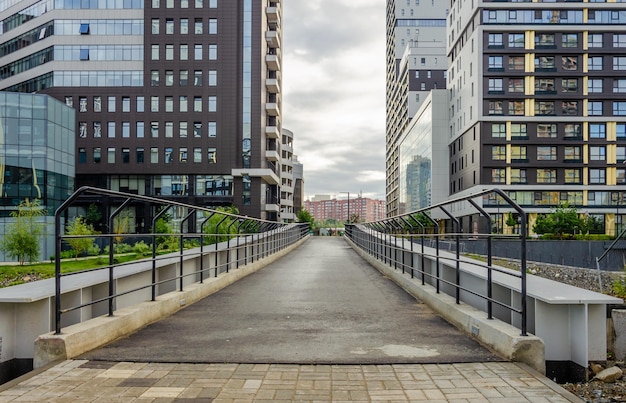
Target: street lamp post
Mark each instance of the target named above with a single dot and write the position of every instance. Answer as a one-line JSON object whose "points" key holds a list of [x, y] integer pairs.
{"points": [[348, 220]]}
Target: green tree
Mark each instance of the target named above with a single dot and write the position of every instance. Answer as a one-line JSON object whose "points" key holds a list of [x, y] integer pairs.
{"points": [[22, 237], [563, 220], [304, 216], [121, 226], [93, 215], [226, 228], [78, 227]]}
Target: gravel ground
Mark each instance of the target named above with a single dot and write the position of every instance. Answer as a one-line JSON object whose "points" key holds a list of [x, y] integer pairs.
{"points": [[593, 391]]}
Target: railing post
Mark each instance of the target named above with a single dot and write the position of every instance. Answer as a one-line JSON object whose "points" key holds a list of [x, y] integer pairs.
{"points": [[457, 237], [182, 247], [111, 260]]}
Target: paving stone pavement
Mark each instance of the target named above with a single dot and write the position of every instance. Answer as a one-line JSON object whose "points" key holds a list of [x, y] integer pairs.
{"points": [[110, 382]]}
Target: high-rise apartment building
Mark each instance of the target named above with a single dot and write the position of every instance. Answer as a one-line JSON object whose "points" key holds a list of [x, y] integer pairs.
{"points": [[538, 104], [361, 209], [173, 98], [416, 63]]}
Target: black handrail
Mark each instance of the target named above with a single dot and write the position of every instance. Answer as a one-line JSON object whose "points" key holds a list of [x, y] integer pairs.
{"points": [[280, 235], [380, 239]]}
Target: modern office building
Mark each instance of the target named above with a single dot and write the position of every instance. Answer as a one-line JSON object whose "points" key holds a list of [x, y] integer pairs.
{"points": [[538, 104], [37, 136], [287, 180], [298, 185], [173, 98], [423, 170], [416, 63]]}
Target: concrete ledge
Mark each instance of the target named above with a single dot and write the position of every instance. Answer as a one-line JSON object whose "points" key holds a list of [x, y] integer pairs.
{"points": [[83, 337], [495, 334]]}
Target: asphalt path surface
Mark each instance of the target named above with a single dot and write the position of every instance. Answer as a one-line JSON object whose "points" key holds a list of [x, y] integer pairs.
{"points": [[321, 304]]}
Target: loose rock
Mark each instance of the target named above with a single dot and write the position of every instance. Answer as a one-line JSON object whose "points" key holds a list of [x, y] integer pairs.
{"points": [[610, 375]]}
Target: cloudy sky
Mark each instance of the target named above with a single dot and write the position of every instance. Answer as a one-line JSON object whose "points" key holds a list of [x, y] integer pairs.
{"points": [[334, 93]]}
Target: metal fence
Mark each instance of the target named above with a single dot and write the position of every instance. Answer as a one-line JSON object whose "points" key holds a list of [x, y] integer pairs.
{"points": [[199, 232], [406, 241]]}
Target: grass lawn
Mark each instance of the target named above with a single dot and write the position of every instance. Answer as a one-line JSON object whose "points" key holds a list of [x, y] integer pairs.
{"points": [[14, 275]]}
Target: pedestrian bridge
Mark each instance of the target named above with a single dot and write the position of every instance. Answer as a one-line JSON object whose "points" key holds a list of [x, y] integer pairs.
{"points": [[554, 328]]}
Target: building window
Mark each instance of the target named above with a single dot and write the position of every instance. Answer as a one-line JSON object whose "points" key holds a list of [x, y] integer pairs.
{"points": [[597, 176], [619, 108], [546, 130], [125, 130], [518, 175], [154, 129], [154, 78], [569, 63], [182, 103], [197, 129], [572, 175], [213, 52], [197, 104], [111, 155], [169, 78], [212, 129], [82, 156], [594, 108], [140, 130], [197, 78], [495, 63], [546, 175], [518, 154], [182, 129], [595, 41], [569, 108], [154, 104], [169, 52], [197, 155], [544, 85], [183, 78], [498, 153], [197, 52], [169, 129], [572, 154], [619, 63], [82, 129], [495, 40], [212, 78], [184, 52], [495, 108], [82, 104], [619, 85], [495, 86], [212, 26], [154, 55], [84, 54], [595, 85], [594, 63], [597, 153], [154, 155], [516, 108], [169, 26], [125, 104], [184, 26], [97, 155], [516, 40], [498, 175], [573, 131], [212, 107], [111, 104], [546, 153], [69, 101], [155, 26], [543, 40], [619, 40], [97, 129], [111, 130], [125, 155], [620, 176], [569, 85], [212, 3], [83, 29], [516, 63], [543, 108], [167, 155], [139, 155], [543, 63], [182, 155], [620, 130], [169, 104], [212, 155], [498, 130], [620, 154], [569, 40], [516, 85], [140, 104]]}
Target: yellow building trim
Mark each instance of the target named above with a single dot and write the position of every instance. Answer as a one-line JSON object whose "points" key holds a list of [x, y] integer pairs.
{"points": [[508, 171], [585, 174], [585, 16], [530, 62], [529, 39], [611, 172], [508, 161], [508, 131], [611, 154], [585, 124], [531, 107], [585, 62], [529, 82], [585, 154], [585, 200], [611, 131], [585, 85], [585, 106]]}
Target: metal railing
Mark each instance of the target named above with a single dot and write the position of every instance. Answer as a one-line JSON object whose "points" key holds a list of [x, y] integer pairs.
{"points": [[238, 240], [393, 241], [606, 253]]}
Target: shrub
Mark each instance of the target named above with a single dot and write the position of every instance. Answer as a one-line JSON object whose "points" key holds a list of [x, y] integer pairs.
{"points": [[142, 249], [94, 250]]}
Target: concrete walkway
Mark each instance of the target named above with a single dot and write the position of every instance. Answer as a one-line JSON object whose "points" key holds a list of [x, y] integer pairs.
{"points": [[94, 381]]}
